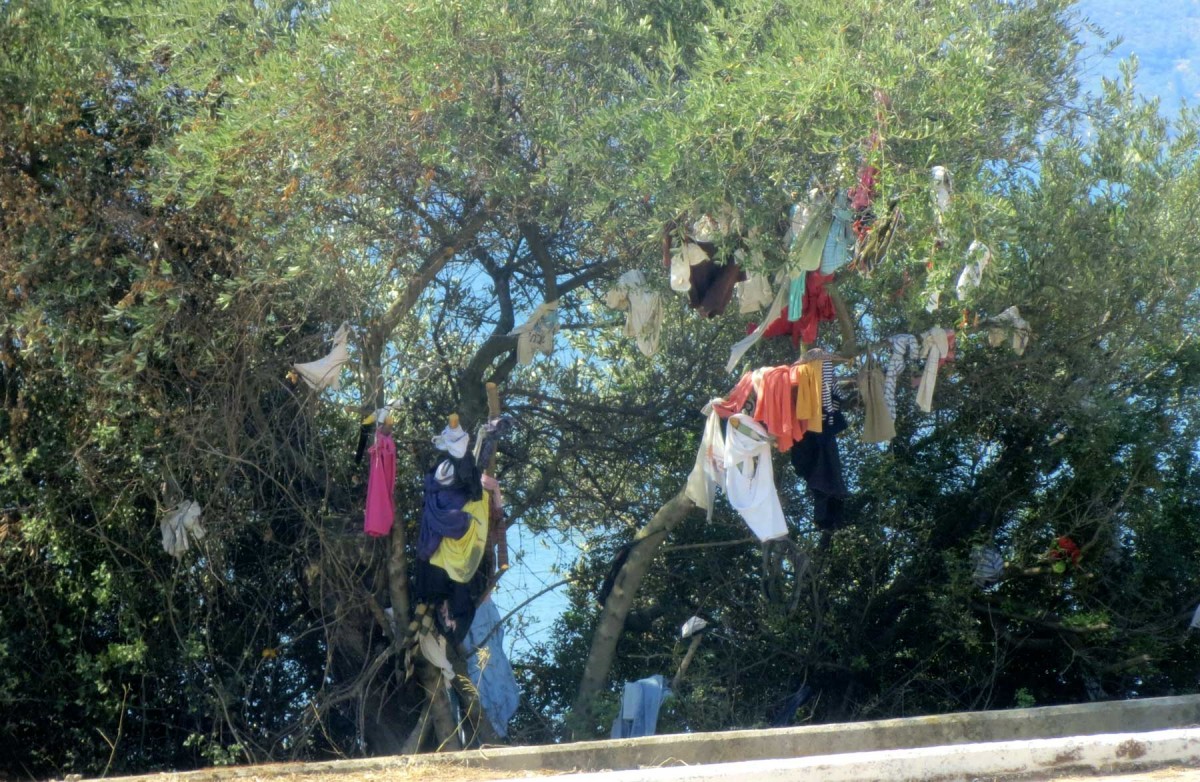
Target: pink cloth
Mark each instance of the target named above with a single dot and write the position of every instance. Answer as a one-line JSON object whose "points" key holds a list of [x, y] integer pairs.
{"points": [[381, 484]]}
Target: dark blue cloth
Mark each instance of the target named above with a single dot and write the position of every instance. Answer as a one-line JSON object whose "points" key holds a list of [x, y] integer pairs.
{"points": [[489, 669], [817, 461], [443, 516], [640, 702]]}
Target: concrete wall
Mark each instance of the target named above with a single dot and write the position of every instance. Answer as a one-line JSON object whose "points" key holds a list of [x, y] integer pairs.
{"points": [[1111, 717]]}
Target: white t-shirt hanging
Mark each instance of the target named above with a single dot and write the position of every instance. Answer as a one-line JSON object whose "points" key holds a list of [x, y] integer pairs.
{"points": [[750, 478]]}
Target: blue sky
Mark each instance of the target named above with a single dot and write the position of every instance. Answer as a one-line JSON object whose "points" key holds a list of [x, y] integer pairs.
{"points": [[1165, 37]]}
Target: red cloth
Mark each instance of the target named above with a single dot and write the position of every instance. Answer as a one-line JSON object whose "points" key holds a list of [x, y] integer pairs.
{"points": [[780, 327], [862, 194], [818, 307]]}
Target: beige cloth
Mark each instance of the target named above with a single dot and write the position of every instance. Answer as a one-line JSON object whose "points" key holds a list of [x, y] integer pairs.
{"points": [[942, 187], [753, 294], [537, 333], [180, 523], [433, 649], [324, 372], [1006, 323], [934, 347], [979, 257], [682, 260], [643, 308], [709, 471], [878, 427]]}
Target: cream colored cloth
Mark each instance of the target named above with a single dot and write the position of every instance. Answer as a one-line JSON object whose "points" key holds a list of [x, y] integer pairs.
{"points": [[433, 649], [709, 471], [178, 524], [934, 347], [537, 333], [750, 478], [979, 257], [324, 372], [643, 308], [1009, 322], [753, 294], [932, 300], [682, 260]]}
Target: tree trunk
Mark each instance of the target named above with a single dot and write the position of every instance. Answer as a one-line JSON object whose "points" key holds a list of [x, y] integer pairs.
{"points": [[616, 609]]}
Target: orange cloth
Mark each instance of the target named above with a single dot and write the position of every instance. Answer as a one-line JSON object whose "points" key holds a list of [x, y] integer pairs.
{"points": [[737, 398], [776, 409], [808, 396]]}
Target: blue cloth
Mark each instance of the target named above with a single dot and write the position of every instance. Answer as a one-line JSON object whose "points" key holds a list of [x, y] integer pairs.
{"points": [[839, 244], [640, 702], [795, 304], [443, 516], [489, 669]]}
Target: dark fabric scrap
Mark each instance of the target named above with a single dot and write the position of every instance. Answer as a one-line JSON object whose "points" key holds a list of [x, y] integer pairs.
{"points": [[614, 569], [453, 603], [712, 284], [442, 517], [817, 461]]}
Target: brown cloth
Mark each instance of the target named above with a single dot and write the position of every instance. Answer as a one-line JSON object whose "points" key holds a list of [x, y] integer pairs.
{"points": [[879, 427], [712, 286]]}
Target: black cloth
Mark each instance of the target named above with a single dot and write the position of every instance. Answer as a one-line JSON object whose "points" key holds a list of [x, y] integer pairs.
{"points": [[364, 432], [712, 284], [433, 586], [818, 463], [610, 578]]}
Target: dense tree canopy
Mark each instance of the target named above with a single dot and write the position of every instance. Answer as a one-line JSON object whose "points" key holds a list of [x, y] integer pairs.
{"points": [[196, 193]]}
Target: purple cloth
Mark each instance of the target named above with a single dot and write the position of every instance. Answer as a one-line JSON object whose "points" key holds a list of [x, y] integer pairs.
{"points": [[443, 516]]}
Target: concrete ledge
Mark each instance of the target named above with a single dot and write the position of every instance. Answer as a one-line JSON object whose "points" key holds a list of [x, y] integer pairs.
{"points": [[1035, 758], [1088, 719]]}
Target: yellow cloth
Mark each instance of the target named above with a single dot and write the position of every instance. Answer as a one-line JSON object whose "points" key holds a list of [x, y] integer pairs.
{"points": [[808, 394], [460, 558]]}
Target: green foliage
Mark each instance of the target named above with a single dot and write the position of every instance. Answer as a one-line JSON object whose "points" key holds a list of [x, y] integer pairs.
{"points": [[194, 194]]}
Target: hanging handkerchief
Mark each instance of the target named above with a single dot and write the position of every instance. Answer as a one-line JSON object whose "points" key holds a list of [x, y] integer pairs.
{"points": [[979, 256], [323, 373], [180, 523], [942, 188], [537, 333], [643, 306], [1009, 321]]}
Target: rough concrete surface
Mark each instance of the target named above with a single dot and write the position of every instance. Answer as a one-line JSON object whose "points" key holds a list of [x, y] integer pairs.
{"points": [[949, 730]]}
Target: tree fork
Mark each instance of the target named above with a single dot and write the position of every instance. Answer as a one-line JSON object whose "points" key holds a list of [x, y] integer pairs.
{"points": [[616, 609]]}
